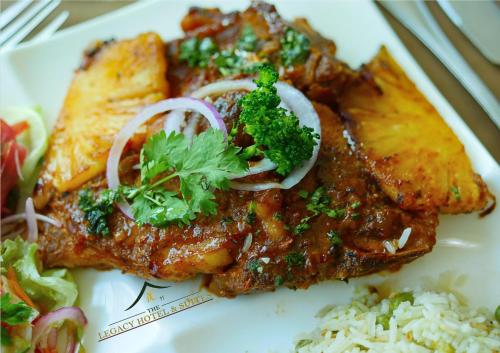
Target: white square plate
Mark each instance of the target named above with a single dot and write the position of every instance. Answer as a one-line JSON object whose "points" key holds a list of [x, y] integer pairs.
{"points": [[182, 319]]}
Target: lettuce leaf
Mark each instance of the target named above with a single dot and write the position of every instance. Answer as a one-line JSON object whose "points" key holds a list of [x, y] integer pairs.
{"points": [[51, 289]]}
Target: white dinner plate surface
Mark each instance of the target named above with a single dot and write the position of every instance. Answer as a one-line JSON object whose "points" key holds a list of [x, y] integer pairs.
{"points": [[181, 318]]}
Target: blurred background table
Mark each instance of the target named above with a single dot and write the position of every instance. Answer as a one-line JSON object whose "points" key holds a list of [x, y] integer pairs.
{"points": [[463, 103]]}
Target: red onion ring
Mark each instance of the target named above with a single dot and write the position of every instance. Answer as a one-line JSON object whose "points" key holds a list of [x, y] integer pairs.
{"points": [[44, 325], [22, 216], [172, 104], [293, 100], [31, 221]]}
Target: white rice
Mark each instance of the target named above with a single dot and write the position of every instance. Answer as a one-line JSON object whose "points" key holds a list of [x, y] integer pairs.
{"points": [[435, 322]]}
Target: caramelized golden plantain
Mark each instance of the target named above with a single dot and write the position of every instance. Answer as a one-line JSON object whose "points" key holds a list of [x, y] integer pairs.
{"points": [[116, 81], [416, 158]]}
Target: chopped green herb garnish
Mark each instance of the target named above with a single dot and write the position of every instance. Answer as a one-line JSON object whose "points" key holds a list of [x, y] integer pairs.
{"points": [[334, 238], [13, 314], [201, 167], [248, 40], [278, 216], [278, 281], [275, 129], [456, 193], [196, 52], [97, 210], [355, 216], [230, 63], [295, 259], [304, 194], [295, 47], [497, 314], [320, 203], [254, 266], [302, 226], [355, 204], [251, 213]]}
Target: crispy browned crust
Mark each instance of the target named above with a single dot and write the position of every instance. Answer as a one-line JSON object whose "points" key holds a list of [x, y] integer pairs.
{"points": [[116, 80], [416, 158]]}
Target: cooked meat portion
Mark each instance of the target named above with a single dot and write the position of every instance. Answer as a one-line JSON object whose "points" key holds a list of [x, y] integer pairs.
{"points": [[352, 245], [322, 77], [336, 223], [115, 81], [415, 157], [220, 244]]}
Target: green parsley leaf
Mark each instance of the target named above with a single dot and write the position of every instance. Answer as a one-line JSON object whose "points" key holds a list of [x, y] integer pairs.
{"points": [[304, 194], [355, 204], [334, 238], [201, 167], [14, 314], [295, 47], [248, 40], [96, 211], [302, 226], [295, 259], [275, 129], [278, 281], [230, 63], [320, 203], [160, 207], [196, 52]]}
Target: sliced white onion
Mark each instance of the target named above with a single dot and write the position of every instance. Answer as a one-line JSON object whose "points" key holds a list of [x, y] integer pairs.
{"points": [[22, 216], [172, 104], [44, 325], [31, 221], [404, 238], [293, 100], [18, 166], [264, 165]]}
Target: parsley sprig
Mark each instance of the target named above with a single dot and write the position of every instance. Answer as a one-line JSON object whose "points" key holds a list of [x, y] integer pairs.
{"points": [[276, 131], [192, 172], [200, 168]]}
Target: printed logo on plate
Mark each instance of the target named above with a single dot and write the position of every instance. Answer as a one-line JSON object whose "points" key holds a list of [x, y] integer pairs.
{"points": [[161, 307]]}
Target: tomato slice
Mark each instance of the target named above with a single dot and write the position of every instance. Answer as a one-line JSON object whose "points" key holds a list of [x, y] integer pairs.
{"points": [[12, 158]]}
